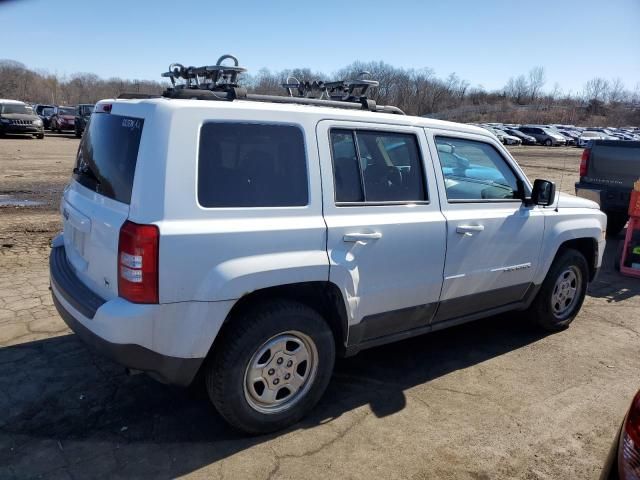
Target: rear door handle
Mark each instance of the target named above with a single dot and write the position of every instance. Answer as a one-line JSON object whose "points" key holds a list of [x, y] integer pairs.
{"points": [[469, 230], [361, 237]]}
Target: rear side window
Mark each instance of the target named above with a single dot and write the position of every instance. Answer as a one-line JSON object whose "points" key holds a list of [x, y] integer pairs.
{"points": [[251, 165], [372, 166], [108, 155]]}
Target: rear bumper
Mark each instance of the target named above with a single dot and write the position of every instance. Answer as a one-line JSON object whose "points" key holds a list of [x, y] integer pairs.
{"points": [[80, 308], [610, 199]]}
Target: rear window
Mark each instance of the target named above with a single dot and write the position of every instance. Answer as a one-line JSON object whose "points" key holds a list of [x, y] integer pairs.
{"points": [[251, 165], [108, 154]]}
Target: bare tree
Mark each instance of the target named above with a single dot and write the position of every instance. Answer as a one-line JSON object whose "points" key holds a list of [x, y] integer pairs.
{"points": [[537, 79], [616, 91]]}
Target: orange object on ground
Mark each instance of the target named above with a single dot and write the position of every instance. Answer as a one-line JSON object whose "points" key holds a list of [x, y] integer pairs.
{"points": [[634, 204], [630, 261]]}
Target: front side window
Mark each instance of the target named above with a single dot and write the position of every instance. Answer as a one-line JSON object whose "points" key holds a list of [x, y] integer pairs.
{"points": [[474, 170], [371, 166], [251, 165]]}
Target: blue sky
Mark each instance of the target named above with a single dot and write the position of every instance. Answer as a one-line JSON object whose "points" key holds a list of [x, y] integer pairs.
{"points": [[484, 42]]}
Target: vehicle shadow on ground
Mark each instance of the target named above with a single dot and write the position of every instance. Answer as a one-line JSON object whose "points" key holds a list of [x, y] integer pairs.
{"points": [[66, 410], [611, 284]]}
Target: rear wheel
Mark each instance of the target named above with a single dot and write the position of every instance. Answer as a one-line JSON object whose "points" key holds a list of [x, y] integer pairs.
{"points": [[562, 293], [272, 366]]}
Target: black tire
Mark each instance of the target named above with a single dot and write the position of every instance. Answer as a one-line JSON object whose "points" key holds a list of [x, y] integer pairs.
{"points": [[541, 311], [243, 338], [616, 222], [78, 134], [548, 142], [40, 136]]}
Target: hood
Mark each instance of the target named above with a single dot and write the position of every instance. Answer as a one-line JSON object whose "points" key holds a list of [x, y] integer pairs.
{"points": [[67, 117], [21, 116], [564, 200]]}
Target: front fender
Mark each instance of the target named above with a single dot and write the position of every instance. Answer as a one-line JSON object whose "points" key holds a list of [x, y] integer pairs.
{"points": [[236, 277], [565, 226]]}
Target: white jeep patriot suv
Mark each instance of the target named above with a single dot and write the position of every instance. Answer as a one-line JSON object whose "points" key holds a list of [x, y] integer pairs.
{"points": [[253, 238]]}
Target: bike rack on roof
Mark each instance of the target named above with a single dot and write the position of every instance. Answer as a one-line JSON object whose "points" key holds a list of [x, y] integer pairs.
{"points": [[220, 82]]}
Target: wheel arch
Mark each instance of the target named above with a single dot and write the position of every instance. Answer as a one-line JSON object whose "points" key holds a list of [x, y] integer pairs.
{"points": [[587, 246], [322, 296]]}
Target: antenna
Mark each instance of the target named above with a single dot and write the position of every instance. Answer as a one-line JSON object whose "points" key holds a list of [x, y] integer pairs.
{"points": [[564, 167]]}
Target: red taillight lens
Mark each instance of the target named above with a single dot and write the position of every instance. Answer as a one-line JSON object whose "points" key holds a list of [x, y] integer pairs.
{"points": [[629, 448], [138, 262], [584, 162]]}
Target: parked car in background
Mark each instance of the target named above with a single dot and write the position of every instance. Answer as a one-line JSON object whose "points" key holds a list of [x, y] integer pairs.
{"points": [[63, 118], [608, 170], [570, 139], [544, 135], [498, 133], [587, 136], [83, 113], [18, 117], [623, 461], [526, 139], [44, 112]]}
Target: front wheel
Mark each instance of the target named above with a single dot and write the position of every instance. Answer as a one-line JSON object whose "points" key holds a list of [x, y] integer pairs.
{"points": [[562, 293], [271, 367], [548, 142]]}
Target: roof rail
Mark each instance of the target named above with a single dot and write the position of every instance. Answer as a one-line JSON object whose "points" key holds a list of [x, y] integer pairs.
{"points": [[220, 82]]}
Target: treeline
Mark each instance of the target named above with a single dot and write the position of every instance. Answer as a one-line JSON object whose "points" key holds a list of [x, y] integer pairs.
{"points": [[524, 98]]}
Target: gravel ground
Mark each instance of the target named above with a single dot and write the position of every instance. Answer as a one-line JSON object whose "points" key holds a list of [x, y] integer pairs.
{"points": [[491, 399]]}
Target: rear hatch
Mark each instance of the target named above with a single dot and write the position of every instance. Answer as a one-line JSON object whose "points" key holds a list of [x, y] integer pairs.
{"points": [[614, 163], [96, 203]]}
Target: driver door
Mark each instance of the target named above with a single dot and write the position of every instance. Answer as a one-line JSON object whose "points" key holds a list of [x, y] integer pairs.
{"points": [[493, 239]]}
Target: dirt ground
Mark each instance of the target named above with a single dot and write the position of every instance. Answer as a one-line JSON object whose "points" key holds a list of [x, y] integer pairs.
{"points": [[491, 399]]}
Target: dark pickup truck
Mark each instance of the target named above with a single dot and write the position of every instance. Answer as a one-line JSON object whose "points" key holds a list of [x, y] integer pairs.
{"points": [[607, 171]]}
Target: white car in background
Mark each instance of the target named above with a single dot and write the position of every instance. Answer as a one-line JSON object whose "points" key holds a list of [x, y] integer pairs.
{"points": [[588, 135]]}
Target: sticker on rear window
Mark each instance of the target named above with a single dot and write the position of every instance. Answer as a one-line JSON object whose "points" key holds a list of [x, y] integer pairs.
{"points": [[131, 123]]}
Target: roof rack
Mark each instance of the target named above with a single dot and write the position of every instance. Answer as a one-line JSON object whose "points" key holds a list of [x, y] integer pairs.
{"points": [[220, 82]]}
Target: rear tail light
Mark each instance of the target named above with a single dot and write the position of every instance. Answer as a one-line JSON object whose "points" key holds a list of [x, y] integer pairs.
{"points": [[138, 263], [629, 449], [103, 108], [584, 162]]}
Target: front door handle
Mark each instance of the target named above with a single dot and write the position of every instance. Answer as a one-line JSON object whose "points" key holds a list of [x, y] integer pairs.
{"points": [[361, 237], [469, 230]]}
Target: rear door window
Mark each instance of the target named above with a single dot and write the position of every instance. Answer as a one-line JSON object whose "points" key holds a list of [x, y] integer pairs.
{"points": [[252, 165], [373, 166], [108, 154]]}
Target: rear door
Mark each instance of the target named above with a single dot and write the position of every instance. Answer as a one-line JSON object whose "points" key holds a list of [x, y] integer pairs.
{"points": [[96, 203], [493, 239], [386, 234]]}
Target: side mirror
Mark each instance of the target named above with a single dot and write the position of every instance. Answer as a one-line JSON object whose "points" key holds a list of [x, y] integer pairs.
{"points": [[543, 193]]}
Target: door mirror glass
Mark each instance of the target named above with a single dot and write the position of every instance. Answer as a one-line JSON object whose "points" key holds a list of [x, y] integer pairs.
{"points": [[543, 193]]}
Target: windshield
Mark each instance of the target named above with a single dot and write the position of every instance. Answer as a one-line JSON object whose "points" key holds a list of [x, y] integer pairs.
{"points": [[590, 134], [66, 111], [47, 111], [8, 108], [86, 109]]}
